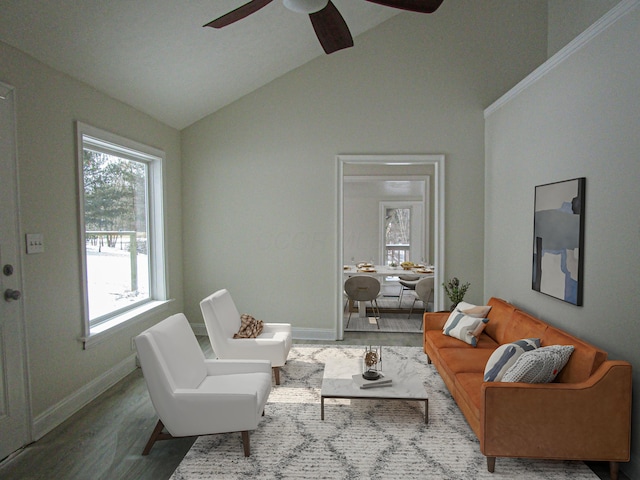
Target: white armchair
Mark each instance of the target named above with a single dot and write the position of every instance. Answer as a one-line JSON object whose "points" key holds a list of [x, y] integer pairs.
{"points": [[196, 396], [222, 320]]}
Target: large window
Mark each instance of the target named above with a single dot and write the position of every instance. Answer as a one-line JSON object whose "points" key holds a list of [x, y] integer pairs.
{"points": [[121, 228]]}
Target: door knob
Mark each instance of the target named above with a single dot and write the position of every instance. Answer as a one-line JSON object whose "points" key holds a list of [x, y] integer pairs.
{"points": [[10, 294]]}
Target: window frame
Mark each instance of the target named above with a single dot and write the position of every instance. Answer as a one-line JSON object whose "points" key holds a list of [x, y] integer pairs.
{"points": [[113, 144], [418, 242]]}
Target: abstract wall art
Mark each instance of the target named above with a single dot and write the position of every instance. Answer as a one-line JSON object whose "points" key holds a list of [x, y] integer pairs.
{"points": [[558, 240]]}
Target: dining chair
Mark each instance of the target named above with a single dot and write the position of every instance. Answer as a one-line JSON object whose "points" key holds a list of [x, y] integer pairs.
{"points": [[423, 291], [363, 288], [407, 282], [222, 319], [196, 396]]}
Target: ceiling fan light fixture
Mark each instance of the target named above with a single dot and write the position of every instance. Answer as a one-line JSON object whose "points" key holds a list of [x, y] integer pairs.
{"points": [[305, 6]]}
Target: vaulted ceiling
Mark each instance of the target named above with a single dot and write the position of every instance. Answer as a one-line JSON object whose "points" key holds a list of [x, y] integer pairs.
{"points": [[156, 56]]}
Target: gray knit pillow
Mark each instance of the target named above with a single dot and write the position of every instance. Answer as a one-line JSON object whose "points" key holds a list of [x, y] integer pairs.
{"points": [[539, 366], [505, 356]]}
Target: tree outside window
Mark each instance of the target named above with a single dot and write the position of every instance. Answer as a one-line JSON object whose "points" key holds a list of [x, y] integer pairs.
{"points": [[397, 234]]}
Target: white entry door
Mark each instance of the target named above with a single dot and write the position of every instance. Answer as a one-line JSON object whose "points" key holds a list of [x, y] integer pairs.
{"points": [[14, 429]]}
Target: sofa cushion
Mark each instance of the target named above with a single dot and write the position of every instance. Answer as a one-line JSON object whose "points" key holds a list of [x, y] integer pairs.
{"points": [[505, 356], [584, 360], [522, 325], [465, 327], [457, 360], [438, 341], [499, 318], [470, 389], [539, 366]]}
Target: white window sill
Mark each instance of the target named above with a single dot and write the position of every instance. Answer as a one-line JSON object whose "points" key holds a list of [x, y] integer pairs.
{"points": [[101, 332]]}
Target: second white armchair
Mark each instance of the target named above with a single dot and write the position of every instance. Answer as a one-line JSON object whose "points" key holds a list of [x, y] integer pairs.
{"points": [[222, 320]]}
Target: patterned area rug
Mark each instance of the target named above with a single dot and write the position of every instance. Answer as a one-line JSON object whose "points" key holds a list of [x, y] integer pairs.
{"points": [[358, 438]]}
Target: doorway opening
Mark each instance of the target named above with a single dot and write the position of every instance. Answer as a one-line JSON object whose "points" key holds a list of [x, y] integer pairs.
{"points": [[425, 242]]}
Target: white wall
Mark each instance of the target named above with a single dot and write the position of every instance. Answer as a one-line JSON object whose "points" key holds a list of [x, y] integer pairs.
{"points": [[361, 234], [362, 198], [48, 103], [580, 119], [260, 175]]}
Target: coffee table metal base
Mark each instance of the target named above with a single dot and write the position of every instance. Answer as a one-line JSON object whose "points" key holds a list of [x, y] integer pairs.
{"points": [[322, 397]]}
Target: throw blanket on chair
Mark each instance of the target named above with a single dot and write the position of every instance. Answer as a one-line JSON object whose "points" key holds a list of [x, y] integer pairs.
{"points": [[250, 327]]}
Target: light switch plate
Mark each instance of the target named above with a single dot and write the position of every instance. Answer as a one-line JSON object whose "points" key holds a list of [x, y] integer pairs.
{"points": [[35, 243]]}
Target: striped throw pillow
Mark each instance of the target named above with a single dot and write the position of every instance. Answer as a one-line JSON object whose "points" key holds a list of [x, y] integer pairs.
{"points": [[478, 311], [465, 328], [505, 356]]}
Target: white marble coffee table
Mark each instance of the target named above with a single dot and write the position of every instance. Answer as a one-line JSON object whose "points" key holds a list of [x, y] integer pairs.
{"points": [[337, 382]]}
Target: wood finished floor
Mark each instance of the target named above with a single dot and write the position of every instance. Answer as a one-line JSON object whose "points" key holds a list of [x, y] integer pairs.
{"points": [[103, 441]]}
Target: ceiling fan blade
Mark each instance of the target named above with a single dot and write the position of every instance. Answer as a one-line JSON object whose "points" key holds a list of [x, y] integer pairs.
{"points": [[421, 6], [238, 14], [331, 29]]}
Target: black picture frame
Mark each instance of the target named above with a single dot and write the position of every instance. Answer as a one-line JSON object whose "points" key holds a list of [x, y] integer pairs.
{"points": [[558, 240]]}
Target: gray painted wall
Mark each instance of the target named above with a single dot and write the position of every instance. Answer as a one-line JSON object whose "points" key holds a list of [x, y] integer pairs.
{"points": [[48, 103], [260, 176], [569, 18], [580, 119]]}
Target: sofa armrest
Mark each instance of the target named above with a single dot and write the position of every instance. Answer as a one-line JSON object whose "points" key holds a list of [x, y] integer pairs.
{"points": [[435, 320], [588, 420]]}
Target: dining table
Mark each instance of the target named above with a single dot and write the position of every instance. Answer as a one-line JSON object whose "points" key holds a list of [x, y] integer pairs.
{"points": [[383, 271]]}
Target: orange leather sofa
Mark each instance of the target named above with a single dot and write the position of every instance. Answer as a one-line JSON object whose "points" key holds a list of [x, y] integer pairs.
{"points": [[584, 414]]}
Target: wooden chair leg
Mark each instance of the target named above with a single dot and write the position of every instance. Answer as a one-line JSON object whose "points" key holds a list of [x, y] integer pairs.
{"points": [[276, 374], [491, 464], [614, 468], [245, 443], [155, 435]]}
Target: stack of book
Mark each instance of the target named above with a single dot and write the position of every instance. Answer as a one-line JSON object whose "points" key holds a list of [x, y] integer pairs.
{"points": [[364, 383]]}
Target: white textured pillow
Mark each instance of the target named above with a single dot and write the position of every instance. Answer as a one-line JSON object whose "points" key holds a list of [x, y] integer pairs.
{"points": [[539, 366], [465, 328], [505, 356]]}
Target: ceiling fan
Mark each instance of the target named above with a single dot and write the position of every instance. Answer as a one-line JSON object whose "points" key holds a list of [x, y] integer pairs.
{"points": [[330, 27]]}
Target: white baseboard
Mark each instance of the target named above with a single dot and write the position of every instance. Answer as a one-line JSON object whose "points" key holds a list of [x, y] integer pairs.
{"points": [[61, 411], [298, 333], [313, 334]]}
